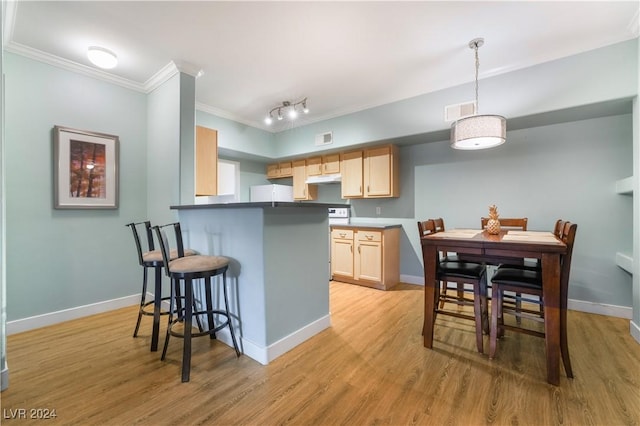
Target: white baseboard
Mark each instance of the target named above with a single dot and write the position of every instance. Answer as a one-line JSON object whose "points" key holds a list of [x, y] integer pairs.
{"points": [[30, 323], [635, 331], [264, 355], [576, 305]]}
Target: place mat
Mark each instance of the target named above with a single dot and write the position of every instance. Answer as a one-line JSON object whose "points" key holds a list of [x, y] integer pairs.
{"points": [[466, 233], [533, 238], [539, 233]]}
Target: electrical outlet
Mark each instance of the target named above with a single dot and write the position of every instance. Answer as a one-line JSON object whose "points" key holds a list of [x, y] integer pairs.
{"points": [[378, 210]]}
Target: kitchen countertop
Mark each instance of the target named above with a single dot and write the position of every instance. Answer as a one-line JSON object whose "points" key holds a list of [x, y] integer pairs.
{"points": [[371, 225], [267, 204]]}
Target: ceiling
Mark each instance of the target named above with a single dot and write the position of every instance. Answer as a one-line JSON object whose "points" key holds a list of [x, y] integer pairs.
{"points": [[343, 56]]}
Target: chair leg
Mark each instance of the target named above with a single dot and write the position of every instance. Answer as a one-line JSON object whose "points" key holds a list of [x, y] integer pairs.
{"points": [[156, 309], [175, 291], [444, 292], [186, 346], [477, 311], [518, 308], [143, 297], [564, 345], [210, 307], [496, 306], [226, 309]]}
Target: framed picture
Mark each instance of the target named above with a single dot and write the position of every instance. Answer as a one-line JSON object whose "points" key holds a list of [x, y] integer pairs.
{"points": [[85, 169]]}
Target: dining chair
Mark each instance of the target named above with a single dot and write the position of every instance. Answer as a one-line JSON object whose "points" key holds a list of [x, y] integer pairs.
{"points": [[460, 272], [529, 281], [516, 224], [450, 257]]}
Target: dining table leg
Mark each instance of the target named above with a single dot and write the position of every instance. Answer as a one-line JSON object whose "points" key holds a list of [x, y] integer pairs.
{"points": [[551, 289], [429, 258]]}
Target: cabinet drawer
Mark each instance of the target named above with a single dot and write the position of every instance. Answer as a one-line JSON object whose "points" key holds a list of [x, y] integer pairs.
{"points": [[369, 236], [342, 234]]}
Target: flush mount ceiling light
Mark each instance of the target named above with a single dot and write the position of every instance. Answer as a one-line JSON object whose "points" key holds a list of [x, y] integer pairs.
{"points": [[478, 131], [101, 57], [290, 109]]}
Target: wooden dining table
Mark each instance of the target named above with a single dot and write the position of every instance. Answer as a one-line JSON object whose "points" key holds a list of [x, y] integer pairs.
{"points": [[478, 245]]}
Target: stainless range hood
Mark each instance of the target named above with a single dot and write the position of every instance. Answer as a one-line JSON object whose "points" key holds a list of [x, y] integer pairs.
{"points": [[324, 179]]}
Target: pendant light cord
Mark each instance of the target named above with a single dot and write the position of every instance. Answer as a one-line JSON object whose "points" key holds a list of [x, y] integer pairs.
{"points": [[477, 66]]}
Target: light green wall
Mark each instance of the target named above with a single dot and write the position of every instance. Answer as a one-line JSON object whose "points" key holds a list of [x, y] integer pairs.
{"points": [[595, 76], [563, 171], [59, 259]]}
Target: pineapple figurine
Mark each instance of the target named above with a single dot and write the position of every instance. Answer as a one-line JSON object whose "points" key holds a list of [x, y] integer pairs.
{"points": [[493, 224]]}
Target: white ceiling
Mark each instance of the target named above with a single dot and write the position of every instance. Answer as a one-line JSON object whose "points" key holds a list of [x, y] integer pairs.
{"points": [[343, 56]]}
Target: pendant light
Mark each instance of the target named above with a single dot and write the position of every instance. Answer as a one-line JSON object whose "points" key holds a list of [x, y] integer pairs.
{"points": [[478, 131]]}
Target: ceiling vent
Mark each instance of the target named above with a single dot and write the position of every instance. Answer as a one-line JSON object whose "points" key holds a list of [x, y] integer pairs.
{"points": [[324, 138], [457, 111]]}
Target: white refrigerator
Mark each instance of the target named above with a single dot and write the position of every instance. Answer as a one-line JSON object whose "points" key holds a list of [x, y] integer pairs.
{"points": [[271, 193]]}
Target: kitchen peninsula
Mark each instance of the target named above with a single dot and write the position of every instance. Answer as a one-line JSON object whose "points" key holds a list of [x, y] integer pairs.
{"points": [[278, 277]]}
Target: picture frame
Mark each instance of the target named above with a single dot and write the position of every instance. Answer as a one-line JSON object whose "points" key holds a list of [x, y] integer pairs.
{"points": [[85, 169]]}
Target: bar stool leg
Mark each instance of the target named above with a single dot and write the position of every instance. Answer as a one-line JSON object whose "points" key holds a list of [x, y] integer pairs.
{"points": [[226, 309], [157, 301], [210, 307], [188, 313], [143, 297]]}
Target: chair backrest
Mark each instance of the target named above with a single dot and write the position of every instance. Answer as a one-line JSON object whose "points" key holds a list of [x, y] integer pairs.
{"points": [[439, 223], [519, 223], [558, 230], [165, 249], [136, 236], [568, 237], [426, 227]]}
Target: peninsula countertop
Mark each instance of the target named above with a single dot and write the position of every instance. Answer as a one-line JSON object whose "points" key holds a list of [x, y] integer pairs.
{"points": [[366, 225], [274, 204]]}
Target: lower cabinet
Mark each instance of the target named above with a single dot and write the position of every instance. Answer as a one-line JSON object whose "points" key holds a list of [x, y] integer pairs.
{"points": [[366, 256]]}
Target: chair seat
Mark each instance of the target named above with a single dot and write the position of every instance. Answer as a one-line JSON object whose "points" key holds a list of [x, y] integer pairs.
{"points": [[525, 278], [462, 269], [197, 263], [156, 255]]}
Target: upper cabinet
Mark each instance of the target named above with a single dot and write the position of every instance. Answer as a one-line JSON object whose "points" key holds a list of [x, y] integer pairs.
{"points": [[206, 161], [365, 173], [351, 170], [279, 170], [302, 191], [331, 164], [371, 173]]}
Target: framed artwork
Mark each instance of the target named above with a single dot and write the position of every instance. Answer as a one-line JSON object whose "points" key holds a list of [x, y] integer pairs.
{"points": [[85, 169]]}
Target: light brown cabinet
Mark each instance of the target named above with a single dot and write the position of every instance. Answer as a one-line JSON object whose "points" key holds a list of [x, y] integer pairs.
{"points": [[302, 191], [279, 170], [331, 164], [371, 173], [206, 179], [366, 256], [314, 166]]}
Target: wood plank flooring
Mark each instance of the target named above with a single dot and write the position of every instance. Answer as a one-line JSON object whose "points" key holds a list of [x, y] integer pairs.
{"points": [[369, 368]]}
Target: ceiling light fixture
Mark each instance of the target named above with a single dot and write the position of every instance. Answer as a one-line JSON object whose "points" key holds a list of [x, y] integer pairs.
{"points": [[478, 131], [289, 108], [101, 57]]}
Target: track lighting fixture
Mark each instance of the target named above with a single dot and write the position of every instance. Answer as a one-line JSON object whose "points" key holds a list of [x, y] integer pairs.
{"points": [[289, 108]]}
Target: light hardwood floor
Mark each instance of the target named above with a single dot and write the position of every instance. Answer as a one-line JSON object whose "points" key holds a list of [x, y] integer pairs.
{"points": [[369, 368]]}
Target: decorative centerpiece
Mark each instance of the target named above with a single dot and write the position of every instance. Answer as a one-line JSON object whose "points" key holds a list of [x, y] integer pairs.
{"points": [[493, 224]]}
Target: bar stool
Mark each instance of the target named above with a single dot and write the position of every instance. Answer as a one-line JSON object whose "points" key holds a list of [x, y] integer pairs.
{"points": [[188, 269], [151, 258]]}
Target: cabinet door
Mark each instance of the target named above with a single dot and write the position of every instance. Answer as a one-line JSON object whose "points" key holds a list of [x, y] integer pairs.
{"points": [[285, 169], [331, 164], [342, 257], [377, 171], [351, 164], [314, 166], [206, 161], [368, 257], [302, 191], [273, 171]]}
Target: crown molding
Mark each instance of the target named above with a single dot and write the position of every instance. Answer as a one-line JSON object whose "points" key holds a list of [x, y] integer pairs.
{"points": [[10, 10], [56, 61]]}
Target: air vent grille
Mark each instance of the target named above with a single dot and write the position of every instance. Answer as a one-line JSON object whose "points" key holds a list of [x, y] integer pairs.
{"points": [[324, 138], [457, 111]]}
